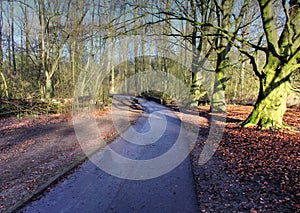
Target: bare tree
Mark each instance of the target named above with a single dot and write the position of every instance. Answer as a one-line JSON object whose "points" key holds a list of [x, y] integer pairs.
{"points": [[12, 25], [54, 19], [1, 36], [4, 89]]}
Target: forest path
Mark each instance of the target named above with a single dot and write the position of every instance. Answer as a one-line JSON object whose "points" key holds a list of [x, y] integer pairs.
{"points": [[90, 189]]}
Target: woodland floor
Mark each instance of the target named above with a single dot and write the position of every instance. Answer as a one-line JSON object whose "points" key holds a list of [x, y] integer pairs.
{"points": [[252, 171]]}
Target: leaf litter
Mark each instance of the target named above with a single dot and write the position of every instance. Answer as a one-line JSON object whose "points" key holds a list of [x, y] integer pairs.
{"points": [[253, 170]]}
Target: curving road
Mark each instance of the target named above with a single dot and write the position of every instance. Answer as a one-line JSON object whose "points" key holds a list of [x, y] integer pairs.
{"points": [[90, 189]]}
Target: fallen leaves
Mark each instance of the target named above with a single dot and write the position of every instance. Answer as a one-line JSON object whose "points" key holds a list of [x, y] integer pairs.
{"points": [[12, 123], [261, 167]]}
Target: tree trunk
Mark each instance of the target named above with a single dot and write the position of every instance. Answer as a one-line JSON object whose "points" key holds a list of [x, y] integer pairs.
{"points": [[281, 61], [218, 97], [194, 88], [27, 41], [1, 28], [217, 102], [13, 37], [112, 75], [49, 90], [40, 11], [223, 47], [270, 106]]}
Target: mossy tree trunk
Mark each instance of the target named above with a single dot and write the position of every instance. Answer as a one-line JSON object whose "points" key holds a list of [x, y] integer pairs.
{"points": [[202, 48], [218, 97], [223, 46], [270, 105], [282, 55]]}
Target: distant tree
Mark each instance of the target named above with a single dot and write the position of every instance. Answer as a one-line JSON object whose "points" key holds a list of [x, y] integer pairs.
{"points": [[12, 34], [231, 20], [207, 42], [54, 31], [3, 87]]}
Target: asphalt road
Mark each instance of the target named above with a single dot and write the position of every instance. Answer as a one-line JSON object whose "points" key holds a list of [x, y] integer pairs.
{"points": [[90, 189]]}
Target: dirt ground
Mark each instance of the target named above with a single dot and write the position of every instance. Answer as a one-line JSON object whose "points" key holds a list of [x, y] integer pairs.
{"points": [[35, 150], [252, 170]]}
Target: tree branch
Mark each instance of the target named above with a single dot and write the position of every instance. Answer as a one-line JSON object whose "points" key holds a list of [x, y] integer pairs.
{"points": [[269, 26]]}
